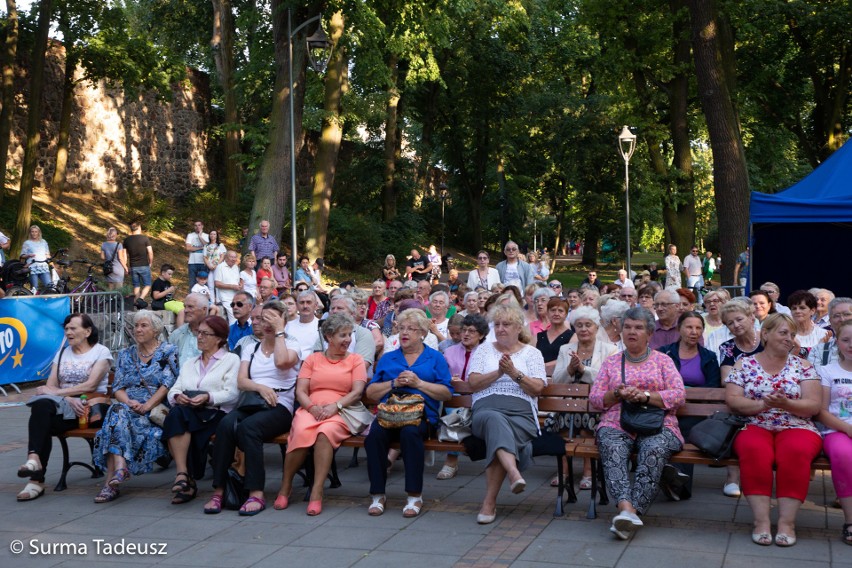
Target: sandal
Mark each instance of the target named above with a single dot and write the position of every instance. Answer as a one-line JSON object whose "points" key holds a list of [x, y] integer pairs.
{"points": [[245, 512], [763, 539], [785, 540], [185, 495], [108, 493], [181, 485], [30, 469], [585, 483], [120, 476], [214, 505], [847, 534], [447, 472], [377, 507], [32, 490], [281, 502], [412, 507]]}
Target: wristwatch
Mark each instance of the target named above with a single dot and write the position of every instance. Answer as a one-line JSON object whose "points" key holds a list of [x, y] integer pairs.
{"points": [[647, 397], [519, 378], [281, 334], [339, 406]]}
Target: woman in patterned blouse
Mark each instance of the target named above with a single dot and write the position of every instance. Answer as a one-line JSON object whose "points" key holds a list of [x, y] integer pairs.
{"points": [[780, 393]]}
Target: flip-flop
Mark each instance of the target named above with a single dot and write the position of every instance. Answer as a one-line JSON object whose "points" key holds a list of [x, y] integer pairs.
{"points": [[120, 476], [412, 507], [377, 507], [31, 491], [252, 500], [847, 534]]}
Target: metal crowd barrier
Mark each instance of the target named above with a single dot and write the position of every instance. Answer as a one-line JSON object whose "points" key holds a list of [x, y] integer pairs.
{"points": [[107, 312]]}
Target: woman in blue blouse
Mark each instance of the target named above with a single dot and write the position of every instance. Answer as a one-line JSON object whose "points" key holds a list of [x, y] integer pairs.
{"points": [[128, 443], [418, 369]]}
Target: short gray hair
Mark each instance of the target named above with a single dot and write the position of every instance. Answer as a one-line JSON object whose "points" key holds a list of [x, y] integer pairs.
{"points": [[336, 322], [671, 295], [543, 292], [307, 294], [440, 293], [357, 295], [197, 299], [641, 314], [470, 295], [586, 313], [836, 302], [614, 309], [156, 321], [350, 303], [248, 296]]}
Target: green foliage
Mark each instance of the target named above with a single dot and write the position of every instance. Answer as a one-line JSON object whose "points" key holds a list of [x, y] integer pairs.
{"points": [[156, 213], [52, 230]]}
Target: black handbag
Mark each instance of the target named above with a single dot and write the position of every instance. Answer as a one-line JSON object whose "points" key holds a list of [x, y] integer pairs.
{"points": [[640, 419], [253, 401], [234, 493], [107, 266], [715, 435]]}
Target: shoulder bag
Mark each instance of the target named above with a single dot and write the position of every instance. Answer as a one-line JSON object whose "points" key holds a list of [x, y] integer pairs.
{"points": [[715, 435], [107, 266], [157, 415], [640, 419], [253, 401], [357, 417], [401, 409]]}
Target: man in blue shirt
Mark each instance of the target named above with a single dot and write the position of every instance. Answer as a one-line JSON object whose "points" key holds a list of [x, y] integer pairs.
{"points": [[242, 305]]}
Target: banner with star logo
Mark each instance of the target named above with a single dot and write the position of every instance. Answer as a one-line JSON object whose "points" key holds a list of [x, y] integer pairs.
{"points": [[30, 335]]}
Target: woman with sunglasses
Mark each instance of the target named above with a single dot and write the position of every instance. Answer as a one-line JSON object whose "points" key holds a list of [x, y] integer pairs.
{"points": [[483, 276]]}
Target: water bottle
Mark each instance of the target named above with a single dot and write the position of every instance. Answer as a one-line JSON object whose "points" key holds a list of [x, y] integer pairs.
{"points": [[83, 419]]}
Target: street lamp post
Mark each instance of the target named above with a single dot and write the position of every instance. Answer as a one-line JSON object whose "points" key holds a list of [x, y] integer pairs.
{"points": [[626, 146], [319, 54], [444, 194]]}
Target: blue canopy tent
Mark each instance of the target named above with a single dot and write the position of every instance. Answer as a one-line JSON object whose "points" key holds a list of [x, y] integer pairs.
{"points": [[799, 237]]}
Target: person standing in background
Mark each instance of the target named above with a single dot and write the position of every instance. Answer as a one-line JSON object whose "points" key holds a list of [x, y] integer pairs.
{"points": [[141, 255], [195, 243]]}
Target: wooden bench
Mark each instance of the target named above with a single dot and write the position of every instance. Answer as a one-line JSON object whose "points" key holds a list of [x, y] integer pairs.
{"points": [[87, 434], [700, 403]]}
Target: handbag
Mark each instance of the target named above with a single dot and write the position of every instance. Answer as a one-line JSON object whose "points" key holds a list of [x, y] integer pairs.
{"points": [[357, 417], [234, 493], [640, 419], [253, 401], [456, 426], [107, 265], [401, 409], [715, 435], [157, 415]]}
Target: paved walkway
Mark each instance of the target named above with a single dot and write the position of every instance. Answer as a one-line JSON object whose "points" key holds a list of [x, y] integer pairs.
{"points": [[710, 530]]}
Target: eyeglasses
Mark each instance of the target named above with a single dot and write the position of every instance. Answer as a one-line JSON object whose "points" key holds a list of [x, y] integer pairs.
{"points": [[206, 334], [482, 258], [713, 301], [555, 285], [626, 296], [238, 304], [665, 304], [511, 248], [407, 329]]}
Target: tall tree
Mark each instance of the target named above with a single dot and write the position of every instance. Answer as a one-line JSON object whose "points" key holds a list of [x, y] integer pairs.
{"points": [[325, 164], [10, 52], [25, 195], [223, 54], [730, 174]]}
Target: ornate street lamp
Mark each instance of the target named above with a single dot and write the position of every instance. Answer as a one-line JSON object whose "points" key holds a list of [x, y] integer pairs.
{"points": [[444, 193], [626, 146]]}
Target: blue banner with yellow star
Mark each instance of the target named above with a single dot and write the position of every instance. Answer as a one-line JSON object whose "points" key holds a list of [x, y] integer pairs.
{"points": [[30, 335]]}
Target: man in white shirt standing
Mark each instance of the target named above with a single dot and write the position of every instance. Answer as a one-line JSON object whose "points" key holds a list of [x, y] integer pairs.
{"points": [[692, 268], [306, 328], [195, 243], [228, 282]]}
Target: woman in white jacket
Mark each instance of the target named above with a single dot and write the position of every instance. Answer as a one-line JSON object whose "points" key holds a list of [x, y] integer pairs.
{"points": [[205, 391]]}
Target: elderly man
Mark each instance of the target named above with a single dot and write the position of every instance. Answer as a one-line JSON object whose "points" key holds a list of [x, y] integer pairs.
{"points": [[629, 294], [514, 270], [241, 306], [824, 298], [306, 328], [424, 289], [262, 243], [666, 305], [267, 289], [556, 287], [624, 281], [281, 274], [839, 311], [362, 340], [185, 338], [227, 283]]}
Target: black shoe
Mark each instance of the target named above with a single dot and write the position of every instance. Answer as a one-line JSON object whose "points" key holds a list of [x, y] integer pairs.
{"points": [[140, 304], [672, 482]]}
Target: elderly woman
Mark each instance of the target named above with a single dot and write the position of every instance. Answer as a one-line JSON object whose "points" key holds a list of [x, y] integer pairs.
{"points": [[204, 392], [81, 366], [35, 251], [713, 302], [414, 368], [836, 401], [470, 304], [610, 329], [590, 296], [113, 251], [506, 376], [780, 393], [128, 443], [550, 341], [803, 306], [328, 382], [698, 367], [738, 316], [540, 305], [644, 377], [483, 276], [579, 362], [267, 368], [378, 297], [439, 304], [361, 300]]}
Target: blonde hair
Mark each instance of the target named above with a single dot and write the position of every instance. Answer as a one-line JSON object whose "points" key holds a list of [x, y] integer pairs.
{"points": [[247, 257], [774, 321], [37, 228], [416, 317], [840, 328], [737, 305], [511, 313], [112, 231]]}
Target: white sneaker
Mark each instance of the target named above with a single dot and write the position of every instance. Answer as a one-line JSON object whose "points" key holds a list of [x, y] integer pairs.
{"points": [[731, 490], [623, 535], [626, 522]]}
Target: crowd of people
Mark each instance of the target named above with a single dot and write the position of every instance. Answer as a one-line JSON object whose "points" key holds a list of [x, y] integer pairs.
{"points": [[258, 354]]}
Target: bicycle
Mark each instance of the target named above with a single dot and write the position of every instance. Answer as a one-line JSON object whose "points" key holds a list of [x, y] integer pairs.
{"points": [[17, 272]]}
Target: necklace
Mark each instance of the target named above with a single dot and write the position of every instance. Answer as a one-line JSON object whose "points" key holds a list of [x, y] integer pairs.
{"points": [[148, 355], [639, 359], [750, 346], [333, 361]]}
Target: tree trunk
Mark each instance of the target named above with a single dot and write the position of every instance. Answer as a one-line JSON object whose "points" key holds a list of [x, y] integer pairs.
{"points": [[504, 205], [223, 54], [560, 218], [590, 243], [391, 124], [9, 55], [329, 145], [25, 196], [57, 185], [730, 175], [272, 191]]}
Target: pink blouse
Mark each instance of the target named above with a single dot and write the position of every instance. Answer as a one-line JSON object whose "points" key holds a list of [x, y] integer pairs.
{"points": [[656, 374]]}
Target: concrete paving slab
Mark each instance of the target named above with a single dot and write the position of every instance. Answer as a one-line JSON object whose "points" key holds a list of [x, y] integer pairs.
{"points": [[642, 557], [574, 551], [390, 559], [450, 543], [223, 554]]}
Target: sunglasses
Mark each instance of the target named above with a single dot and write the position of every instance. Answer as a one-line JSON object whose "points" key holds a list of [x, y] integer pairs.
{"points": [[237, 304], [555, 285]]}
